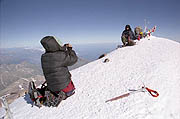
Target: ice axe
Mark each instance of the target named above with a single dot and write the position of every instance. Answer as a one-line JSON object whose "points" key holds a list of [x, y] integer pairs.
{"points": [[143, 89]]}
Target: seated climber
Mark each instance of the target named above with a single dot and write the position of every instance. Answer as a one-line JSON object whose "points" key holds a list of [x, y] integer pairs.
{"points": [[128, 36], [55, 62]]}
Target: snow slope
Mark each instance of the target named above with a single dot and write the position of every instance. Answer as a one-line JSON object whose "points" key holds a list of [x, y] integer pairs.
{"points": [[155, 63]]}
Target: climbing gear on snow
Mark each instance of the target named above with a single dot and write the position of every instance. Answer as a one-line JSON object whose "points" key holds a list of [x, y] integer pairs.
{"points": [[44, 96], [143, 89], [53, 99], [35, 95]]}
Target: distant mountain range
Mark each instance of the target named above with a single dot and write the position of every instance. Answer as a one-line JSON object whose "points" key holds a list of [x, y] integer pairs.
{"points": [[18, 55], [10, 73]]}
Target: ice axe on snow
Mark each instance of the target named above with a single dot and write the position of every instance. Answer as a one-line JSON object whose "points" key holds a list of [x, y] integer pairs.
{"points": [[143, 89]]}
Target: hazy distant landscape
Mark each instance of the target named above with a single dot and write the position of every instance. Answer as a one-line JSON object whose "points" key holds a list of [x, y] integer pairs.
{"points": [[93, 51], [17, 64]]}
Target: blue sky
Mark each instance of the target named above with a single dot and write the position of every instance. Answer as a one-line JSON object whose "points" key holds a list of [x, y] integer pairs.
{"points": [[25, 22]]}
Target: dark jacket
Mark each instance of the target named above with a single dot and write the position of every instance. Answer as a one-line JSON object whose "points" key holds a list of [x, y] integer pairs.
{"points": [[128, 33], [54, 63]]}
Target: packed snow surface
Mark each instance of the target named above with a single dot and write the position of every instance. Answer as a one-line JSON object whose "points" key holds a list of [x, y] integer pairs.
{"points": [[154, 63]]}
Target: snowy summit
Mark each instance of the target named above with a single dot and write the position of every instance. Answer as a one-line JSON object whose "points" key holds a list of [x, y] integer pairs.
{"points": [[154, 63]]}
